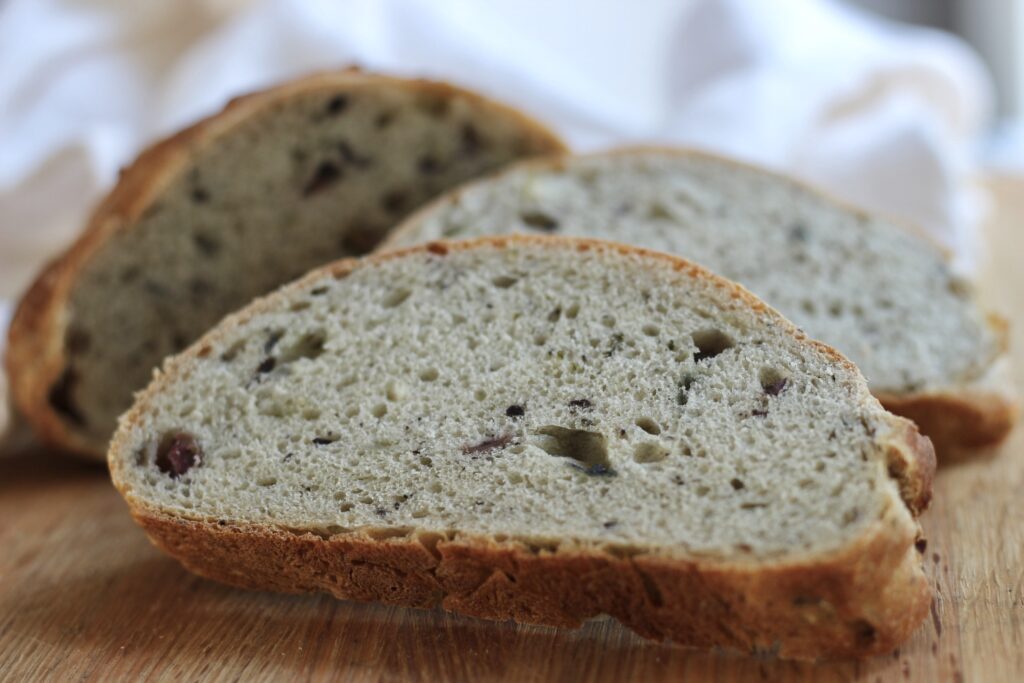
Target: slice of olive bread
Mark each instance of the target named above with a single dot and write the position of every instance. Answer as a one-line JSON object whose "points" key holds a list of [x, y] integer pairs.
{"points": [[884, 297], [279, 182], [541, 429]]}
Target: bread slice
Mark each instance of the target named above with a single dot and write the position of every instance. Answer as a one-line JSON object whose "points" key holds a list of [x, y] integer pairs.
{"points": [[539, 429], [279, 182], [883, 296]]}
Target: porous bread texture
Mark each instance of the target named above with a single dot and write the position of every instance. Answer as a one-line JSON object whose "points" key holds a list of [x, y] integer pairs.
{"points": [[280, 182], [883, 296], [578, 397]]}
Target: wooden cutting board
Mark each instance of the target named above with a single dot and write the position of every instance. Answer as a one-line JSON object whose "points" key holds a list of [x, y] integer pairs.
{"points": [[83, 596]]}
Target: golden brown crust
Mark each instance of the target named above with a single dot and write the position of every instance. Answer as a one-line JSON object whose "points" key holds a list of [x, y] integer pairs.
{"points": [[865, 600], [959, 419], [910, 458], [979, 415], [35, 357], [959, 425], [862, 599]]}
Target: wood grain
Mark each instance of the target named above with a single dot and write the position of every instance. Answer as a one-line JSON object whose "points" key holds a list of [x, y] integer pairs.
{"points": [[83, 596]]}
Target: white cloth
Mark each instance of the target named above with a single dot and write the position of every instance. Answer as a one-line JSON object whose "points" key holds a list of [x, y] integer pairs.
{"points": [[881, 114]]}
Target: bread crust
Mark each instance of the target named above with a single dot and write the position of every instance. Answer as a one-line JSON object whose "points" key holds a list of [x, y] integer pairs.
{"points": [[961, 418], [863, 601], [959, 425], [857, 600], [35, 357]]}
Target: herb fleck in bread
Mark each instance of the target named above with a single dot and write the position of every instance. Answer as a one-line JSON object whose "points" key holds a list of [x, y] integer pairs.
{"points": [[881, 295], [539, 429], [279, 182]]}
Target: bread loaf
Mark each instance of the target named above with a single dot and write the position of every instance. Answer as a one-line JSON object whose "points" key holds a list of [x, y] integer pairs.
{"points": [[539, 429]]}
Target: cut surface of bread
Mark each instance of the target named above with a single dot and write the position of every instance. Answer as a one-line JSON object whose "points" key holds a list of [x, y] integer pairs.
{"points": [[279, 182], [883, 296], [541, 429]]}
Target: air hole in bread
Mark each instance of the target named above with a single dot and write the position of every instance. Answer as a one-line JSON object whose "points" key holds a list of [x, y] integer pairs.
{"points": [[229, 453], [379, 410], [396, 298], [504, 281], [205, 244], [588, 449], [395, 201], [269, 407], [683, 393], [394, 390], [539, 220], [648, 425], [351, 157], [428, 164], [572, 311], [232, 351], [651, 330], [773, 381], [798, 233], [327, 173], [649, 451], [310, 345], [710, 343], [429, 375], [273, 337], [658, 211], [337, 104]]}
